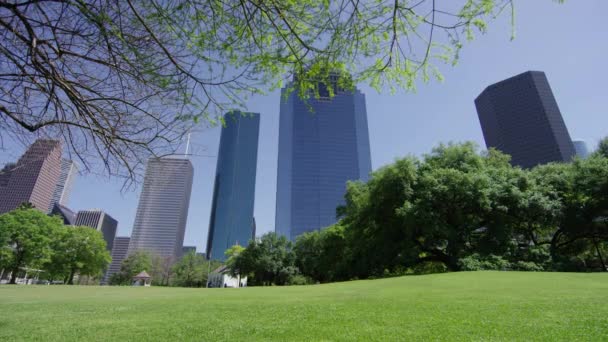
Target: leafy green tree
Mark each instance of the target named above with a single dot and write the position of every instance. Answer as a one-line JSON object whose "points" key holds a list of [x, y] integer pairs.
{"points": [[192, 270], [451, 200], [232, 254], [375, 236], [77, 250], [25, 235], [268, 260], [201, 58], [321, 255], [133, 264], [582, 188], [161, 270], [602, 148], [454, 203], [309, 252]]}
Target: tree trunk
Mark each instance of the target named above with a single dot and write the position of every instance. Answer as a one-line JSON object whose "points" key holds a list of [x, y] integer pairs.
{"points": [[71, 278], [599, 254], [14, 273]]}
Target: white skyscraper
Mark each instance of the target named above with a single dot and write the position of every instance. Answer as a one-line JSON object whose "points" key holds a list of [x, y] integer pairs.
{"points": [[160, 221], [63, 189]]}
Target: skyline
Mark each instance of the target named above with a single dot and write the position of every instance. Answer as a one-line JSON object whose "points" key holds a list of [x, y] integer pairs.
{"points": [[413, 123]]}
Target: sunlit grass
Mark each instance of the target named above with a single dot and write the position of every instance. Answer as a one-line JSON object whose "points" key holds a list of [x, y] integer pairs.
{"points": [[454, 306]]}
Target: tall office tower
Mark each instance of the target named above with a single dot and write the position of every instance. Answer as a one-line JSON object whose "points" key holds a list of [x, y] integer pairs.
{"points": [[231, 220], [160, 220], [581, 149], [101, 221], [64, 184], [520, 117], [119, 253], [65, 213], [319, 152], [33, 178]]}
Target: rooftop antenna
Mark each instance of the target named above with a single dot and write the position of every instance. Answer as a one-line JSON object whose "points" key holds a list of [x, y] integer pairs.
{"points": [[187, 146]]}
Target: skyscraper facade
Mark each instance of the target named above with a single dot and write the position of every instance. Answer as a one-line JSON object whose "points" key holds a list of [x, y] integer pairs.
{"points": [[520, 117], [231, 220], [100, 221], [5, 174], [160, 220], [119, 253], [33, 178], [319, 151], [64, 184], [65, 213], [581, 149]]}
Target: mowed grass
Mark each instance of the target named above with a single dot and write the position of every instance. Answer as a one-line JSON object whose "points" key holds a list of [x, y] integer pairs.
{"points": [[453, 306]]}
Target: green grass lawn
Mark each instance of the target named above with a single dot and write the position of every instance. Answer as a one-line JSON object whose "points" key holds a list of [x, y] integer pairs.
{"points": [[453, 306]]}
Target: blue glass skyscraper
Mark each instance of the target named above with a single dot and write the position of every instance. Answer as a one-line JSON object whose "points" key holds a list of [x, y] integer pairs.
{"points": [[319, 151], [231, 220]]}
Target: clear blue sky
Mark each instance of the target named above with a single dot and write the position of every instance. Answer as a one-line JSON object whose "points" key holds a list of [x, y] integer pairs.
{"points": [[569, 42]]}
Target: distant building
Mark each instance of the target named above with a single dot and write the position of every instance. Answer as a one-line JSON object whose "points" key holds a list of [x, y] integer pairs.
{"points": [[63, 189], [188, 249], [66, 214], [581, 149], [231, 220], [221, 277], [33, 178], [5, 174], [160, 220], [120, 248], [319, 152], [101, 221], [520, 117]]}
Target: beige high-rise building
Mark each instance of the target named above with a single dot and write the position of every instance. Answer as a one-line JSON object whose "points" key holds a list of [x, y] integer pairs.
{"points": [[160, 221], [33, 178]]}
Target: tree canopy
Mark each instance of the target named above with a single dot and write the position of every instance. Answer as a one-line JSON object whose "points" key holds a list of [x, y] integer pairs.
{"points": [[458, 209], [602, 147], [192, 270], [31, 239], [267, 260], [78, 250], [119, 81], [25, 239], [133, 264]]}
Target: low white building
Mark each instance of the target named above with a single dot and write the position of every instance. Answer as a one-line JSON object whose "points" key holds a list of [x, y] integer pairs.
{"points": [[221, 277]]}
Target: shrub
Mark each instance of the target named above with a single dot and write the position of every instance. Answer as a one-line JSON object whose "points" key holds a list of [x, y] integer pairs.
{"points": [[299, 279], [528, 266], [475, 262], [429, 267]]}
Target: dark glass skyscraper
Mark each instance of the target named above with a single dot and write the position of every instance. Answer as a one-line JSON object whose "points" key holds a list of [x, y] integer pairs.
{"points": [[101, 221], [319, 151], [519, 116], [231, 219]]}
